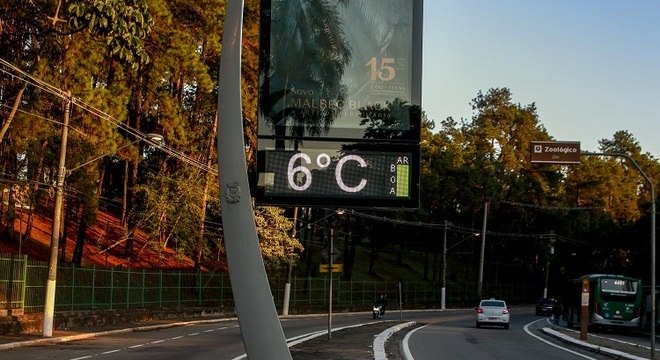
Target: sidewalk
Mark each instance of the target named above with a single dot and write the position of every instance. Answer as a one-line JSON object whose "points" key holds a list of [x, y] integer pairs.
{"points": [[598, 343]]}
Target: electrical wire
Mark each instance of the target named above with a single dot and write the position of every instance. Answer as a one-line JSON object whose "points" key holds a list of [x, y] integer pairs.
{"points": [[29, 79]]}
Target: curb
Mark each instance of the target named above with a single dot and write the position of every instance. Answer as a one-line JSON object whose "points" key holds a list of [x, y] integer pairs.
{"points": [[379, 341], [595, 348]]}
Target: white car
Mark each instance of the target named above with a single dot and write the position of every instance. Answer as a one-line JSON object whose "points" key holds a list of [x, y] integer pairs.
{"points": [[493, 312]]}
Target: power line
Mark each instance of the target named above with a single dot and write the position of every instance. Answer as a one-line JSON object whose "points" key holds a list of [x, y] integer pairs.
{"points": [[29, 79]]}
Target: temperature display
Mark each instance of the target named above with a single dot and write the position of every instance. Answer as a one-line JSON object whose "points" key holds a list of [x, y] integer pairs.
{"points": [[339, 177]]}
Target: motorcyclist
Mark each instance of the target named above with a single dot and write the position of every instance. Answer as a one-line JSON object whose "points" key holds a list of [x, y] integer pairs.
{"points": [[382, 301]]}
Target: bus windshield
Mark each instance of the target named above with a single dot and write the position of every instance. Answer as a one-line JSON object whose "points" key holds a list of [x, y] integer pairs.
{"points": [[618, 286]]}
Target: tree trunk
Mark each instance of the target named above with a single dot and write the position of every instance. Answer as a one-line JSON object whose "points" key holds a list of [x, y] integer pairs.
{"points": [[35, 191], [209, 162], [80, 239], [130, 181], [17, 103]]}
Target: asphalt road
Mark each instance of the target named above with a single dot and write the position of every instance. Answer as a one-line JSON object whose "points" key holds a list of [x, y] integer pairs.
{"points": [[457, 337], [449, 334]]}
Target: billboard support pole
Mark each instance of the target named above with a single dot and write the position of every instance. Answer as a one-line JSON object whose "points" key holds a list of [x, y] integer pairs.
{"points": [[262, 332]]}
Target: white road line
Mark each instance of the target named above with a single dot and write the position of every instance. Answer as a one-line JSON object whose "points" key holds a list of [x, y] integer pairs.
{"points": [[157, 341], [110, 352], [176, 337], [193, 334], [82, 357], [407, 355], [302, 338], [529, 332], [136, 346]]}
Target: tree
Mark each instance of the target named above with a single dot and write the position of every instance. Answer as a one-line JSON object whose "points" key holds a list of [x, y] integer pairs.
{"points": [[274, 231]]}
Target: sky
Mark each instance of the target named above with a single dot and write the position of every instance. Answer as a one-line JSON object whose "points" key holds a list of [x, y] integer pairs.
{"points": [[592, 67]]}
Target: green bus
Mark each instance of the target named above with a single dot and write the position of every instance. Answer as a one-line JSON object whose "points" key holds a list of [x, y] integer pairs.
{"points": [[614, 301]]}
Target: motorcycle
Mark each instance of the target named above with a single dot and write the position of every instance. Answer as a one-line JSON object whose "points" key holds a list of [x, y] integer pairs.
{"points": [[378, 311]]}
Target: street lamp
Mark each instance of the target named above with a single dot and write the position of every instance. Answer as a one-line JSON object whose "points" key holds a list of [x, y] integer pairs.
{"points": [[444, 263], [49, 303], [551, 251], [653, 246], [480, 283]]}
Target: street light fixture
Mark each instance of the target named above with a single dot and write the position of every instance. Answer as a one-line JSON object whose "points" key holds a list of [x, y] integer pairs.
{"points": [[444, 262]]}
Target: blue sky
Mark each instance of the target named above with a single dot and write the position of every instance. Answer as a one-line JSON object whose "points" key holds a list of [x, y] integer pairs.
{"points": [[591, 66]]}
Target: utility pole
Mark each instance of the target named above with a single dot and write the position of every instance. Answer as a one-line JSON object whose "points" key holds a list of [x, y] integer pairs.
{"points": [[480, 284], [444, 268], [287, 285], [331, 253], [49, 303]]}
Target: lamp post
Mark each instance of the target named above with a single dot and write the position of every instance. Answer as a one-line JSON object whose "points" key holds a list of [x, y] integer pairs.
{"points": [[551, 251], [49, 303], [653, 280], [480, 283], [443, 292], [444, 268]]}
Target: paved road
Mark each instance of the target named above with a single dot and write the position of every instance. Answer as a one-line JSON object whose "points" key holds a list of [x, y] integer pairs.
{"points": [[458, 338], [437, 334]]}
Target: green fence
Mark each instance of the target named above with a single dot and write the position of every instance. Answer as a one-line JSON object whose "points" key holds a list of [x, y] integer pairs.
{"points": [[23, 282], [13, 271]]}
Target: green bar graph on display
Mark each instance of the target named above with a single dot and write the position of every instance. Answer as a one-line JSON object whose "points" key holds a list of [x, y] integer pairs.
{"points": [[402, 180]]}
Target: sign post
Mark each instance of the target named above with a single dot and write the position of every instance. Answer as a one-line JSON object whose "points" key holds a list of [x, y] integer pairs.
{"points": [[584, 314]]}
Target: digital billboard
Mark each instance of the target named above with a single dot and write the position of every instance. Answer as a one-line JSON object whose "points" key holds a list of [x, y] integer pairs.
{"points": [[345, 76]]}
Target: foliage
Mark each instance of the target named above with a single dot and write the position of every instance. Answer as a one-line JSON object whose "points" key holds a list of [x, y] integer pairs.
{"points": [[122, 24], [142, 66], [274, 231]]}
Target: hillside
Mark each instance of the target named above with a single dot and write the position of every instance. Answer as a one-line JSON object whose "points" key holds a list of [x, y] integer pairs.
{"points": [[101, 249]]}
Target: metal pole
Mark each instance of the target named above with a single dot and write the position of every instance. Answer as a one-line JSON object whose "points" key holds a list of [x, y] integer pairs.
{"points": [[287, 285], [483, 250], [653, 279], [547, 274], [261, 329], [49, 303], [330, 255], [444, 268]]}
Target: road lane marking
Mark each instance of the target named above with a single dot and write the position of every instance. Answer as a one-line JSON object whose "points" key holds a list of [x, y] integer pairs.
{"points": [[529, 332], [407, 355], [110, 352]]}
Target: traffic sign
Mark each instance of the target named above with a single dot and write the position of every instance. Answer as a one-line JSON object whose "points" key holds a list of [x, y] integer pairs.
{"points": [[555, 152], [324, 268]]}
